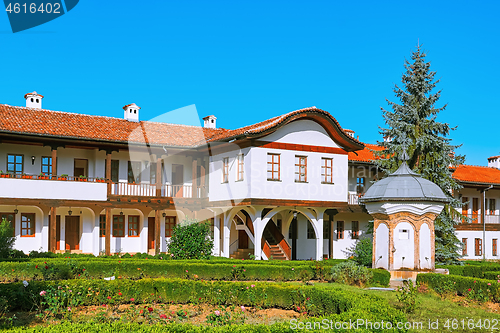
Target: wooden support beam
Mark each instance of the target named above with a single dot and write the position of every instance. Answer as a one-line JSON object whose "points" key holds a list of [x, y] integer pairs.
{"points": [[52, 230], [54, 163], [195, 185], [107, 246], [202, 180], [157, 231], [108, 172], [158, 177]]}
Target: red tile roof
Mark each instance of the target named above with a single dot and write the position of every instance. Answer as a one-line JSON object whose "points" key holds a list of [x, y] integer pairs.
{"points": [[72, 125], [477, 174], [49, 123], [493, 157], [264, 127], [365, 155]]}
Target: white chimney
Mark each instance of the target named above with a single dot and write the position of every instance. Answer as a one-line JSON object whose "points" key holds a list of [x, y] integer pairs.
{"points": [[210, 122], [33, 100], [494, 162], [131, 112], [349, 132]]}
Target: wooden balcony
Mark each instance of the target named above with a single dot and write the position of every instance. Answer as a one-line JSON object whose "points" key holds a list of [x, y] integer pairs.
{"points": [[476, 218], [149, 190]]}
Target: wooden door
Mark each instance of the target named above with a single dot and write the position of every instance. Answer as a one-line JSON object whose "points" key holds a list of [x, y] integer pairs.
{"points": [[151, 233], [242, 239], [72, 232], [58, 232], [177, 180], [475, 210]]}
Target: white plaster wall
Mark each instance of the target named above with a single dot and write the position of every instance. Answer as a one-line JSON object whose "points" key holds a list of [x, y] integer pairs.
{"points": [[126, 243], [425, 247], [305, 132], [306, 248], [27, 244], [27, 151], [382, 247], [52, 189], [471, 235], [340, 246], [404, 247], [233, 189]]}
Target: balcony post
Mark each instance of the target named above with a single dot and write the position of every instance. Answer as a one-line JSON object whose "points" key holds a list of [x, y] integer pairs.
{"points": [[107, 246], [52, 229], [194, 186], [202, 180], [108, 174], [157, 231], [54, 164], [158, 177]]}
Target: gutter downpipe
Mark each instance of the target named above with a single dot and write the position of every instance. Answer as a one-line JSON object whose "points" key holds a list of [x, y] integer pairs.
{"points": [[483, 217]]}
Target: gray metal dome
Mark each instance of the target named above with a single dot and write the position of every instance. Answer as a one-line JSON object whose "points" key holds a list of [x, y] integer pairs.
{"points": [[404, 185]]}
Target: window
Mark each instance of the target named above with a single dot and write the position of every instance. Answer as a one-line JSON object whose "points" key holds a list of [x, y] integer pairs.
{"points": [[115, 168], [494, 247], [169, 225], [152, 173], [355, 229], [118, 225], [326, 229], [15, 163], [81, 167], [478, 242], [310, 231], [133, 226], [102, 225], [273, 166], [10, 217], [300, 169], [340, 229], [326, 170], [360, 185], [465, 208], [134, 172], [28, 225], [225, 169], [491, 207], [464, 246], [240, 167], [47, 165]]}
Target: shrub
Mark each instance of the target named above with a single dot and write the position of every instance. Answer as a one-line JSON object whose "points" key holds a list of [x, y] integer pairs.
{"points": [[7, 238], [462, 285], [361, 252], [350, 273], [191, 240], [407, 296]]}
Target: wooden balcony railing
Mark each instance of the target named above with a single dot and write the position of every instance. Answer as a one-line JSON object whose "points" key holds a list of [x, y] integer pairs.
{"points": [[475, 218], [149, 190], [353, 198]]}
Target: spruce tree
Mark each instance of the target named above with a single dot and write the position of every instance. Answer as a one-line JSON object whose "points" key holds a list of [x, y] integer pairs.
{"points": [[413, 124]]}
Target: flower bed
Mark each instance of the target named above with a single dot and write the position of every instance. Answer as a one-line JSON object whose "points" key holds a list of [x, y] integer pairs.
{"points": [[462, 285], [334, 303]]}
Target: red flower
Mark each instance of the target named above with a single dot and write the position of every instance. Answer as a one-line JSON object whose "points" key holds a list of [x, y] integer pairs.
{"points": [[36, 266], [120, 294], [46, 267], [109, 297], [150, 310], [469, 289], [163, 316]]}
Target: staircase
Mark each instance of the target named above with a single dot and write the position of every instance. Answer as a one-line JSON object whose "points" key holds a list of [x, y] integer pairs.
{"points": [[242, 254], [275, 250]]}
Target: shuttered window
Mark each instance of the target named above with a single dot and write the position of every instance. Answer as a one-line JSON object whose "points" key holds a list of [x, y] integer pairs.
{"points": [[478, 246]]}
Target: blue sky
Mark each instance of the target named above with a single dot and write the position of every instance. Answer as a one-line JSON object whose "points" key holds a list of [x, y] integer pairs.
{"points": [[246, 61]]}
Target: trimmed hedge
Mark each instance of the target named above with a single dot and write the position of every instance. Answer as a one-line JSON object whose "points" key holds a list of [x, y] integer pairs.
{"points": [[316, 301], [460, 284], [64, 269]]}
